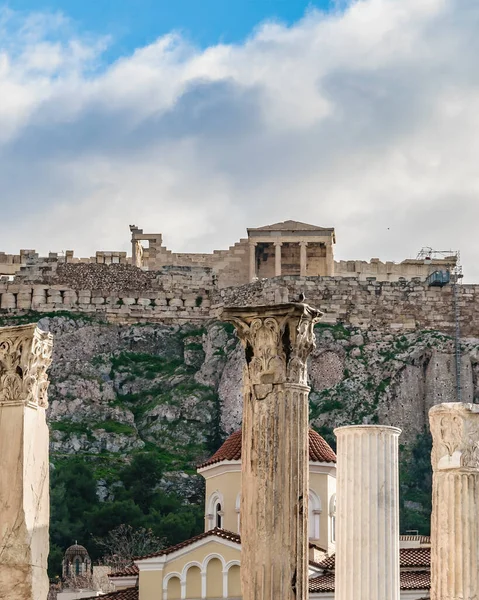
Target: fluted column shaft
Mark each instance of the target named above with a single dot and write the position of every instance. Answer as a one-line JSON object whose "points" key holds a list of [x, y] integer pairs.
{"points": [[277, 258], [367, 517], [275, 474], [252, 261], [455, 502]]}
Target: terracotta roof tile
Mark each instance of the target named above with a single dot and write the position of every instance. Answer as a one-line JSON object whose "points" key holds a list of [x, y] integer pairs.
{"points": [[408, 557], [130, 571], [323, 583], [221, 533], [415, 557], [415, 580], [319, 449], [131, 593], [410, 580]]}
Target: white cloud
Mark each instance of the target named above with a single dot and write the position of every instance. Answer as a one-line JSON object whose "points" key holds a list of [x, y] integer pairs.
{"points": [[366, 119]]}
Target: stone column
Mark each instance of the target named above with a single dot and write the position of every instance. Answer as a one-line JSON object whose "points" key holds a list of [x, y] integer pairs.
{"points": [[329, 259], [303, 267], [25, 354], [275, 469], [455, 501], [252, 261], [367, 517], [277, 258]]}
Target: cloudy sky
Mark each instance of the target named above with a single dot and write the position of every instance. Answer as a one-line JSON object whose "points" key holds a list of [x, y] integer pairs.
{"points": [[364, 117]]}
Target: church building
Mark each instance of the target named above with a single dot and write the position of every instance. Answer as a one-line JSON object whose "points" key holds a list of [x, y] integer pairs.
{"points": [[208, 565]]}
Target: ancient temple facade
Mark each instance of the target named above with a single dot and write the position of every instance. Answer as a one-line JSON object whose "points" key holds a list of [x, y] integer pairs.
{"points": [[288, 248]]}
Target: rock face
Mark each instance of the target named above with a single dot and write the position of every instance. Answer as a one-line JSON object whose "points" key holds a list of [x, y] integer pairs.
{"points": [[117, 389]]}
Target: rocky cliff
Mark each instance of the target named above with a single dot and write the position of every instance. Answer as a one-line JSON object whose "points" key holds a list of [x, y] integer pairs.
{"points": [[176, 390]]}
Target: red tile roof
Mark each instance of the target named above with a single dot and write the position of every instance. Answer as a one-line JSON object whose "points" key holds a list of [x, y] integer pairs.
{"points": [[130, 571], [409, 580], [221, 533], [415, 580], [408, 557], [323, 583], [319, 449], [131, 593]]}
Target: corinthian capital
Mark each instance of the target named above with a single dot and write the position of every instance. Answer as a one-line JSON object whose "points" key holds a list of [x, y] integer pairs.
{"points": [[277, 340], [455, 433], [25, 355]]}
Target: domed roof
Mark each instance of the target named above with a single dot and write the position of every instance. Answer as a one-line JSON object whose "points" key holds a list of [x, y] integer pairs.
{"points": [[76, 550], [319, 449]]}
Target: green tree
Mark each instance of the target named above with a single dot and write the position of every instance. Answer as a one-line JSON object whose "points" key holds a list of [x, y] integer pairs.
{"points": [[416, 486], [141, 478]]}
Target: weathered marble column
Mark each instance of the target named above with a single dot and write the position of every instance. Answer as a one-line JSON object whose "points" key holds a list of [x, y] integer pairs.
{"points": [[277, 258], [275, 469], [252, 261], [25, 354], [303, 267], [367, 517], [455, 501]]}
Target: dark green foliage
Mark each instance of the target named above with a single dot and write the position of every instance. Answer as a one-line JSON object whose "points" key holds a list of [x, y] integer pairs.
{"points": [[144, 365], [141, 477], [33, 316], [339, 331], [199, 300], [416, 486]]}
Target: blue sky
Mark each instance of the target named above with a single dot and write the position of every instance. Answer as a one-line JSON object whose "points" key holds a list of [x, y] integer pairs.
{"points": [[365, 119], [136, 23]]}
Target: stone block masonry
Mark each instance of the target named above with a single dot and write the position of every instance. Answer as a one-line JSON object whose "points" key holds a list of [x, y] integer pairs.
{"points": [[122, 293]]}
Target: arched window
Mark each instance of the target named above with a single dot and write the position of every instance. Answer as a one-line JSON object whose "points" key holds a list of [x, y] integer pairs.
{"points": [[219, 516], [77, 566], [314, 510], [214, 511], [332, 516]]}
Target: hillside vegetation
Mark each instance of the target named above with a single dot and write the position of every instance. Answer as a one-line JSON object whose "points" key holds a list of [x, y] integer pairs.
{"points": [[134, 409]]}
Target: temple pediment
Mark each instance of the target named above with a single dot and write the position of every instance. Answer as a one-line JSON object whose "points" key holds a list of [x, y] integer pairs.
{"points": [[295, 226]]}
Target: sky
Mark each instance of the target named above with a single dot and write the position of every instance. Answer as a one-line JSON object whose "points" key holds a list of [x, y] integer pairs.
{"points": [[200, 119]]}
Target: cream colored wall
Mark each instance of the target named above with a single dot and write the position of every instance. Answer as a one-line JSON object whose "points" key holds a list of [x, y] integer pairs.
{"points": [[324, 486], [188, 567], [228, 485]]}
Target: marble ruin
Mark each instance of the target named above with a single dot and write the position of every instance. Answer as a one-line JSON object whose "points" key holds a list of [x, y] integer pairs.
{"points": [[367, 518], [278, 250], [275, 465], [25, 354], [455, 502]]}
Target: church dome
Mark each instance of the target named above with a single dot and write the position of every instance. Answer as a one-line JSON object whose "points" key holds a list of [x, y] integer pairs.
{"points": [[76, 551], [319, 449]]}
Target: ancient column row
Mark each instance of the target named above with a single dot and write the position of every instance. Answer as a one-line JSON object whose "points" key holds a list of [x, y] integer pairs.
{"points": [[277, 259]]}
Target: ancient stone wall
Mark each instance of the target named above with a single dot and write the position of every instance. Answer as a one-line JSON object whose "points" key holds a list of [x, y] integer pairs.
{"points": [[122, 292]]}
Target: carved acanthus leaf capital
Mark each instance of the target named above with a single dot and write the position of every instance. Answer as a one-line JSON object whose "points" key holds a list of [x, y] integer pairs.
{"points": [[25, 355], [455, 433], [277, 340]]}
